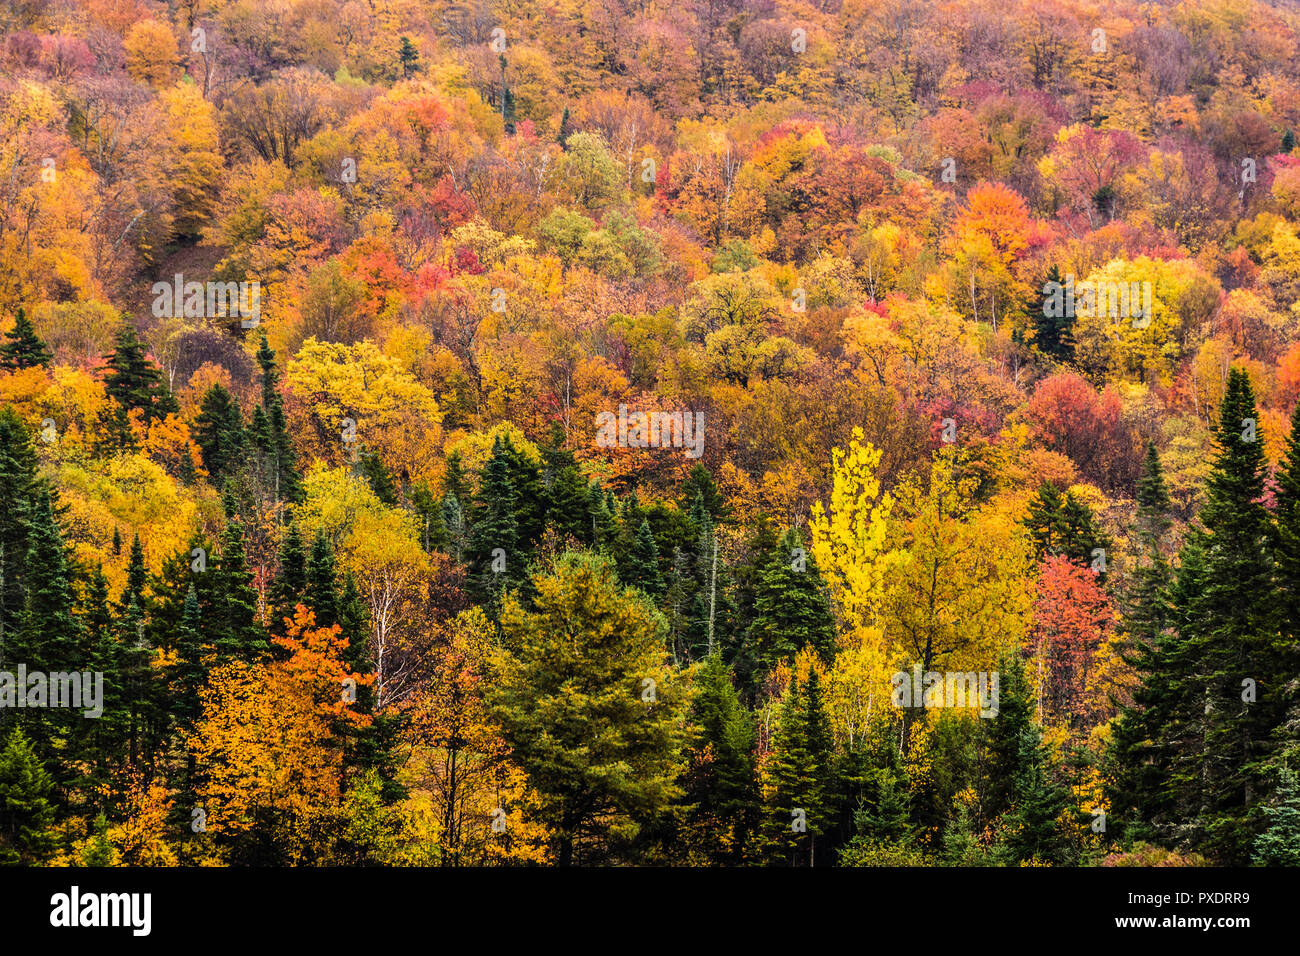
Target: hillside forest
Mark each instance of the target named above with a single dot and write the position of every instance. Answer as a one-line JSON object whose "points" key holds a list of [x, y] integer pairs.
{"points": [[649, 432]]}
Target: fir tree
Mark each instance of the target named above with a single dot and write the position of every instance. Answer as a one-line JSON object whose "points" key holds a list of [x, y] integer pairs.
{"points": [[321, 594], [236, 630], [18, 488], [290, 585], [27, 812], [1235, 636], [219, 433], [1053, 334], [798, 807], [791, 608], [641, 569], [24, 348], [495, 556], [1279, 843], [721, 786], [133, 381]]}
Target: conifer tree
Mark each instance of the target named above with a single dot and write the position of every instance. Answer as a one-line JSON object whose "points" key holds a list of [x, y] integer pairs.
{"points": [[133, 381], [791, 608], [24, 348], [27, 811], [18, 488], [798, 770], [1279, 843], [290, 585], [495, 556], [219, 433], [721, 784], [641, 569], [236, 630], [322, 584], [1235, 636]]}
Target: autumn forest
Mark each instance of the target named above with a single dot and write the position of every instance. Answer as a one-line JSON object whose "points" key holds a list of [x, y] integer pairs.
{"points": [[846, 433]]}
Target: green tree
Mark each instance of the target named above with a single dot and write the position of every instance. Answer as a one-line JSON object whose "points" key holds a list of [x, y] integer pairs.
{"points": [[24, 348], [26, 811], [590, 706]]}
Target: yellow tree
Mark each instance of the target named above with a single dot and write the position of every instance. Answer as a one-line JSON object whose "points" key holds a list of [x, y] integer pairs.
{"points": [[459, 758], [268, 747], [850, 546]]}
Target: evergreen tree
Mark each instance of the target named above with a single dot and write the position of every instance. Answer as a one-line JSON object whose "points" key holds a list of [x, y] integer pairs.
{"points": [[26, 810], [791, 608], [641, 569], [1279, 843], [379, 478], [322, 584], [1053, 333], [236, 630], [132, 380], [1235, 636], [1030, 828], [137, 574], [721, 783], [600, 746], [798, 808], [219, 433], [495, 557], [1147, 614], [24, 348], [700, 484], [1061, 524], [18, 489], [290, 585]]}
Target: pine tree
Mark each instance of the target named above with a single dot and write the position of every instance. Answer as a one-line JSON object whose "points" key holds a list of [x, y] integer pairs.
{"points": [[1236, 636], [132, 380], [1279, 843], [24, 348], [1030, 828], [600, 745], [18, 489], [722, 784], [408, 56], [26, 810], [791, 608], [219, 433], [641, 569]]}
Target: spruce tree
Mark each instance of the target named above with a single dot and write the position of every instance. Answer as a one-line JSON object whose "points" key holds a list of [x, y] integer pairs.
{"points": [[791, 608], [721, 787], [219, 433], [26, 809], [238, 635], [641, 569], [1279, 843], [24, 348], [1236, 639], [18, 489], [132, 380], [322, 584], [798, 806], [495, 556], [1147, 614], [290, 585], [1053, 334]]}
